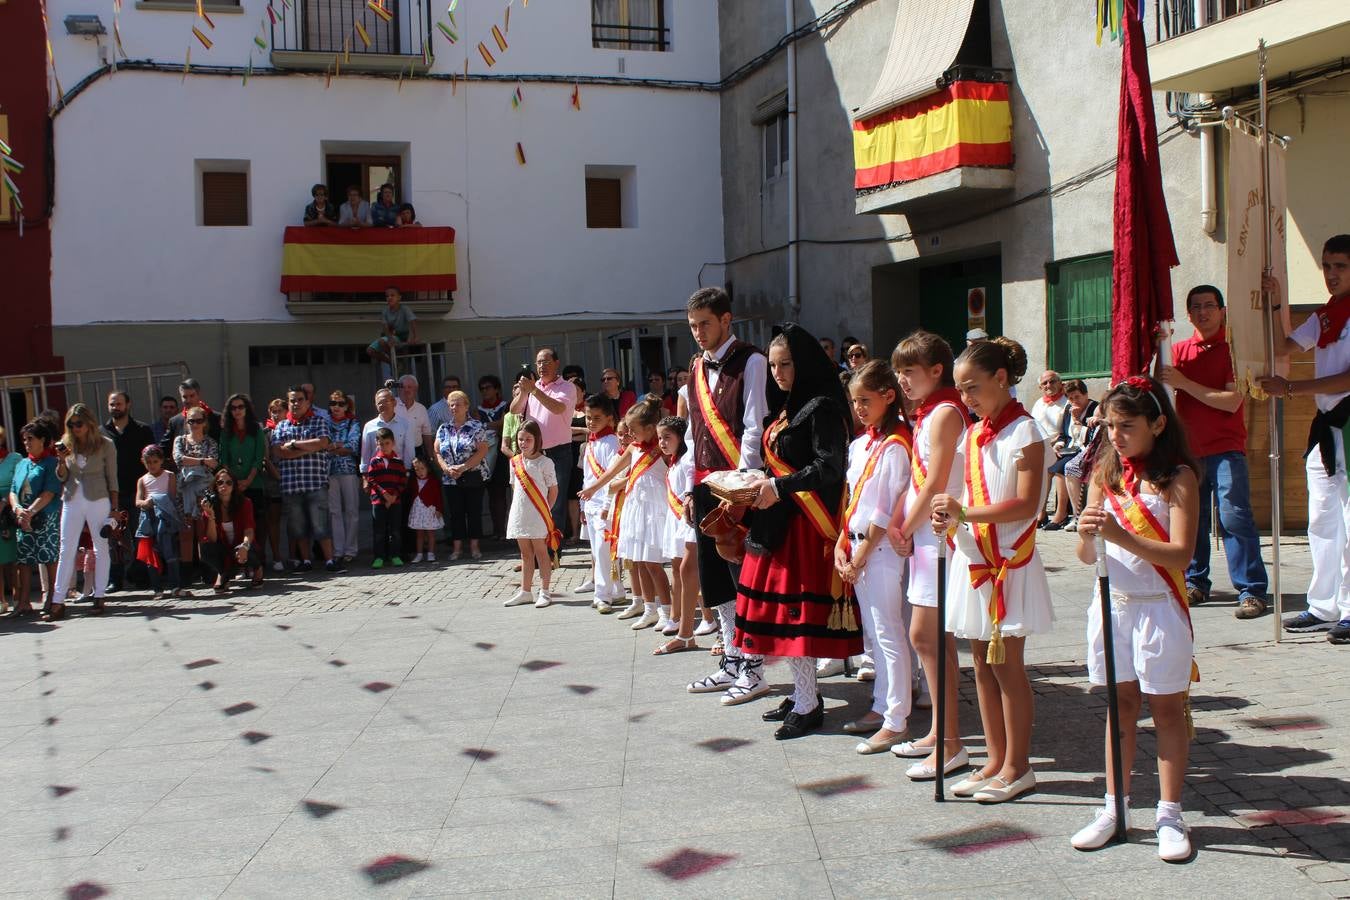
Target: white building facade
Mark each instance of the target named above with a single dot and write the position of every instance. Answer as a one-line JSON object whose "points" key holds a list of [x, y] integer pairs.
{"points": [[139, 275]]}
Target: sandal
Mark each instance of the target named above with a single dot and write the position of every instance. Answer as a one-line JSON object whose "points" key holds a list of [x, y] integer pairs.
{"points": [[676, 645], [717, 648]]}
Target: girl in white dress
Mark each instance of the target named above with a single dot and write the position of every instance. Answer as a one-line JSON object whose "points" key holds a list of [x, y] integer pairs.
{"points": [[642, 523], [878, 477], [530, 525], [998, 592], [1144, 501], [602, 445], [680, 540], [923, 361]]}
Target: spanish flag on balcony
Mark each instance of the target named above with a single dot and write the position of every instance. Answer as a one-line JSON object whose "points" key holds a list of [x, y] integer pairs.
{"points": [[968, 123], [367, 260]]}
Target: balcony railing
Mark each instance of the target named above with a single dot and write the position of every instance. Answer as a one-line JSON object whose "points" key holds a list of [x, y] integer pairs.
{"points": [[329, 27], [1177, 17], [629, 37], [327, 269]]}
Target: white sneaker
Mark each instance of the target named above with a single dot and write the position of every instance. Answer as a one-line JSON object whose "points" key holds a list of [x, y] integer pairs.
{"points": [[647, 621], [723, 678], [636, 608], [749, 684], [431, 557], [418, 558], [705, 628], [277, 566], [519, 598], [603, 607], [1097, 833], [542, 599], [662, 622], [586, 587], [827, 667], [1174, 840]]}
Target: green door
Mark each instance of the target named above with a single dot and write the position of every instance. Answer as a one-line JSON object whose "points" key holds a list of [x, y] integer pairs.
{"points": [[946, 298]]}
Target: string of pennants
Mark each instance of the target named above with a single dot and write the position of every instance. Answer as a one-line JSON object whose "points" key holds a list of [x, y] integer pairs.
{"points": [[1111, 18], [10, 166], [276, 11]]}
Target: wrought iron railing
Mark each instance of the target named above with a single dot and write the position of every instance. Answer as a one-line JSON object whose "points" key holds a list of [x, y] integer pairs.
{"points": [[629, 37], [330, 26], [1177, 17]]}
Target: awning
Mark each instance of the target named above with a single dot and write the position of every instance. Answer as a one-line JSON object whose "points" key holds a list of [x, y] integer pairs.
{"points": [[927, 38]]}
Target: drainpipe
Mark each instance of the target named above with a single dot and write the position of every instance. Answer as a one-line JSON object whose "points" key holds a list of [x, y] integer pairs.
{"points": [[1209, 206], [794, 301]]}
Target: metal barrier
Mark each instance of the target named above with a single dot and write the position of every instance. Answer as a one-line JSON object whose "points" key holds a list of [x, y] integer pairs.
{"points": [[27, 395], [660, 343]]}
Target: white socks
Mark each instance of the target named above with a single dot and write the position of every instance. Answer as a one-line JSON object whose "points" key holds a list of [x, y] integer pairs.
{"points": [[1167, 810]]}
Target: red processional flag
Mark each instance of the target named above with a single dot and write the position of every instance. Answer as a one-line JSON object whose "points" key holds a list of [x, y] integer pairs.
{"points": [[1141, 285]]}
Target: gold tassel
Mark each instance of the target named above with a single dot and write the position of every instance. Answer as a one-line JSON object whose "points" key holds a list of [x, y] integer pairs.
{"points": [[850, 618], [1190, 717], [835, 619], [996, 655], [614, 569]]}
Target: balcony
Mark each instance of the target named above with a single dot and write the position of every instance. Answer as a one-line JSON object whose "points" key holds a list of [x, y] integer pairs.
{"points": [[317, 32], [342, 271], [1209, 46]]}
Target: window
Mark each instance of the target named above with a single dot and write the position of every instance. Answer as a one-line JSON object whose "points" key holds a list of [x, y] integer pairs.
{"points": [[366, 172], [604, 203], [611, 197], [1078, 301], [775, 131], [222, 194], [629, 25]]}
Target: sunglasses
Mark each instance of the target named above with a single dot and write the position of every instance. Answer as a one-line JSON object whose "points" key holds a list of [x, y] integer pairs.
{"points": [[234, 406], [77, 424], [341, 403], [855, 355]]}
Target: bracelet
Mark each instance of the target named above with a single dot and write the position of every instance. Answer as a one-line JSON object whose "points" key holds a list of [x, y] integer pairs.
{"points": [[961, 515]]}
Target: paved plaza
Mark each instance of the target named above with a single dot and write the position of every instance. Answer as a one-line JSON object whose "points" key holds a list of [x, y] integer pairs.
{"points": [[401, 734]]}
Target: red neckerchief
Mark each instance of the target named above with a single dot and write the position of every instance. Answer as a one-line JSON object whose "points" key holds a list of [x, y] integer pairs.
{"points": [[933, 401], [4, 452], [240, 429], [991, 427], [873, 435], [338, 417], [1053, 398], [1132, 472], [647, 446], [270, 423], [597, 435], [39, 458], [1332, 318], [290, 417]]}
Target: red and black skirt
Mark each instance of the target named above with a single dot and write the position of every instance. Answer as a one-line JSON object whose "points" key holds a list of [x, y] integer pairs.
{"points": [[785, 603]]}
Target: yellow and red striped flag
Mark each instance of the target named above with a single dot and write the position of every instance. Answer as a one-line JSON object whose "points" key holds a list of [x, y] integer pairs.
{"points": [[520, 153], [361, 33], [197, 33], [378, 9], [499, 38], [487, 54]]}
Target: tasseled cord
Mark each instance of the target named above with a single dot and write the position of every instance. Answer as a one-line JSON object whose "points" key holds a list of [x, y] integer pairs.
{"points": [[996, 655]]}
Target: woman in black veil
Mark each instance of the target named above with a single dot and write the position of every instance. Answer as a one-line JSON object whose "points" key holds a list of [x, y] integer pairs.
{"points": [[790, 602]]}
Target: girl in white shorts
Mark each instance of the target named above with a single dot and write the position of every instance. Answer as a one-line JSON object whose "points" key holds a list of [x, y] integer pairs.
{"points": [[1144, 502]]}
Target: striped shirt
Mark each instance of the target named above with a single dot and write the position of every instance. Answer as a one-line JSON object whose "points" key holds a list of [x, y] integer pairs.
{"points": [[386, 473]]}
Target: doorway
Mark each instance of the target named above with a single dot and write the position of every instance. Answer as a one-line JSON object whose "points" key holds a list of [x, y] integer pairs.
{"points": [[952, 296], [367, 173]]}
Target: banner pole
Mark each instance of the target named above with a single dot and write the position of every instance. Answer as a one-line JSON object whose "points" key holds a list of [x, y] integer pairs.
{"points": [[1267, 254]]}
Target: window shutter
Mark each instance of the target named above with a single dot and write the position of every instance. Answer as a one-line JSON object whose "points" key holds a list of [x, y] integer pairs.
{"points": [[604, 203], [224, 198]]}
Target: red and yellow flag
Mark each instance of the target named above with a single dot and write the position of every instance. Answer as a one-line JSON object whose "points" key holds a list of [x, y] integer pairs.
{"points": [[968, 123], [368, 260]]}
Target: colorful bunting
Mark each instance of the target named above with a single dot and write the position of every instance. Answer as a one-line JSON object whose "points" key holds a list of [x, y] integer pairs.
{"points": [[346, 50], [261, 42], [576, 96], [365, 37], [451, 8], [378, 9], [449, 33], [487, 54], [271, 14], [499, 38], [520, 153], [248, 68], [197, 33], [207, 20], [517, 97], [426, 58], [187, 63], [506, 25]]}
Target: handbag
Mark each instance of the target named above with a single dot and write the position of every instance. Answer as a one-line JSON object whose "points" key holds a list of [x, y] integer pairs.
{"points": [[724, 526]]}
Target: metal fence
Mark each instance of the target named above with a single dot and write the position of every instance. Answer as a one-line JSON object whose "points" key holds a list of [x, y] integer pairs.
{"points": [[27, 395]]}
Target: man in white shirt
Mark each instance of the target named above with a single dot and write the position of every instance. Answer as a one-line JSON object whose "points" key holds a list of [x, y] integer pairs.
{"points": [[727, 408], [386, 417], [411, 410], [1049, 411]]}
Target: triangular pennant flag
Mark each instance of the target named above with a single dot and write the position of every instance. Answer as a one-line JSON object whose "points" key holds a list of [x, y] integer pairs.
{"points": [[187, 63], [197, 33], [576, 96], [207, 20], [271, 14], [378, 9], [487, 54], [520, 153], [365, 38], [248, 68], [499, 38], [449, 33], [506, 24]]}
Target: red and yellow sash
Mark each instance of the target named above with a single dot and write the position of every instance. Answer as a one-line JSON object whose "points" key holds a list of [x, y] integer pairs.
{"points": [[918, 469], [673, 501], [825, 523], [993, 566], [721, 432], [593, 464], [1135, 518], [900, 437], [641, 467], [537, 498]]}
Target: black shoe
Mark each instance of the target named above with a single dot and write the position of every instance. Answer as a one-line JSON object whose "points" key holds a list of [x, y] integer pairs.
{"points": [[1340, 632], [800, 724], [306, 565], [779, 712], [1055, 526]]}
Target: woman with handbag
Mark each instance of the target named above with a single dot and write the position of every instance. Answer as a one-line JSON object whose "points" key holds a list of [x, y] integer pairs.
{"points": [[790, 601], [86, 466], [461, 448]]}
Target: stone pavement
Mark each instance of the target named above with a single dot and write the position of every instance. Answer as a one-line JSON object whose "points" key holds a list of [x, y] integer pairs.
{"points": [[401, 734]]}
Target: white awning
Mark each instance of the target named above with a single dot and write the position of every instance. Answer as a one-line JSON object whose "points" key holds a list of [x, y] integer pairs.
{"points": [[927, 37]]}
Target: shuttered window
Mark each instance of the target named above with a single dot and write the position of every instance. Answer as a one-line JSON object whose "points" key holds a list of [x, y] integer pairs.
{"points": [[604, 203], [224, 198], [1078, 301]]}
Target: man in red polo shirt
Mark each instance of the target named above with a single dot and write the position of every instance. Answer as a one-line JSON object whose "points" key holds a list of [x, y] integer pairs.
{"points": [[1210, 405]]}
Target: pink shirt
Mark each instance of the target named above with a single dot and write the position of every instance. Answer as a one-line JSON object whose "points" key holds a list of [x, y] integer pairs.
{"points": [[556, 429]]}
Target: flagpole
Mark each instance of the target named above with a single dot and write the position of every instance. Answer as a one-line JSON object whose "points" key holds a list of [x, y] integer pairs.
{"points": [[1267, 254]]}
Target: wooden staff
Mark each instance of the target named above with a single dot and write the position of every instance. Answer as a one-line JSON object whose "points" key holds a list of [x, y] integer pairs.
{"points": [[940, 701], [1112, 699]]}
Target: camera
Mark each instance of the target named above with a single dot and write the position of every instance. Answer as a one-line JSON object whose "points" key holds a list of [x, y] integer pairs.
{"points": [[60, 447], [210, 498]]}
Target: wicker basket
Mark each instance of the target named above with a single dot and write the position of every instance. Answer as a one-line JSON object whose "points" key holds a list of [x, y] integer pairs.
{"points": [[730, 487]]}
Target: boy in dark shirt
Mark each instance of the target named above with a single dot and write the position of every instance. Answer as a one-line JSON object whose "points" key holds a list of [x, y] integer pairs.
{"points": [[386, 478]]}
